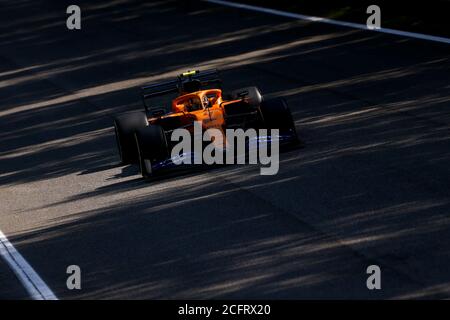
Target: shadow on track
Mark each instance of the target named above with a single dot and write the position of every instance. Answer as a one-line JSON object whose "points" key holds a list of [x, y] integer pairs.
{"points": [[372, 109]]}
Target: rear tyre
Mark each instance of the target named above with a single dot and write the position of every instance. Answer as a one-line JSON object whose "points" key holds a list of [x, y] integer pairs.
{"points": [[124, 126], [276, 115], [151, 147]]}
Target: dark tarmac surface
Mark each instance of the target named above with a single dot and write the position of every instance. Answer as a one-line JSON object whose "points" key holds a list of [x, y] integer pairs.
{"points": [[11, 288], [371, 186]]}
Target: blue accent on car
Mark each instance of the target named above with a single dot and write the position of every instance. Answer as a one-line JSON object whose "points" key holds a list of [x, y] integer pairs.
{"points": [[252, 144]]}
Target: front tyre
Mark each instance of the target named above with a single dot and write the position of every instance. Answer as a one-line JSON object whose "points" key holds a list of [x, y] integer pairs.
{"points": [[124, 126], [277, 115], [151, 147]]}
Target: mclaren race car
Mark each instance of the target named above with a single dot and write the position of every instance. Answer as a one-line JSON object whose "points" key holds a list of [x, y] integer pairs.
{"points": [[193, 97]]}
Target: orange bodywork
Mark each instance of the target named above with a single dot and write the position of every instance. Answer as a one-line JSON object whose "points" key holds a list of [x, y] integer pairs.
{"points": [[206, 106]]}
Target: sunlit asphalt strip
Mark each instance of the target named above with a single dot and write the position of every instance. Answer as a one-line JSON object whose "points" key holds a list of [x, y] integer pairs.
{"points": [[329, 21], [35, 286]]}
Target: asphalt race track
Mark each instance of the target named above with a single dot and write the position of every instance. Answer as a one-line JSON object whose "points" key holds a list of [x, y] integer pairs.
{"points": [[371, 186]]}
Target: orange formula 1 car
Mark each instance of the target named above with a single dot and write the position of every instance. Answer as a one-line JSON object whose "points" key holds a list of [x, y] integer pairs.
{"points": [[144, 137]]}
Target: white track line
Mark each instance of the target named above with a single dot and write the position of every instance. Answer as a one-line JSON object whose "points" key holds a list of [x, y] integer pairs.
{"points": [[34, 285], [329, 21]]}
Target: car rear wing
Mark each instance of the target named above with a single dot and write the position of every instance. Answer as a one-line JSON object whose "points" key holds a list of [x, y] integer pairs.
{"points": [[203, 78]]}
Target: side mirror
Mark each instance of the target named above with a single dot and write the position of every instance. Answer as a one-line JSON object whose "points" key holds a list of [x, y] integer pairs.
{"points": [[251, 94], [158, 112]]}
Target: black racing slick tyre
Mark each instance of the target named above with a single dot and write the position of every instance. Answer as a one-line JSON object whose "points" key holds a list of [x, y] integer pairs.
{"points": [[152, 147], [125, 125], [276, 115]]}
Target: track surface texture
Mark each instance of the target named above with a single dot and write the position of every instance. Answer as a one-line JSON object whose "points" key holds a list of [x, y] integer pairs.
{"points": [[370, 187]]}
